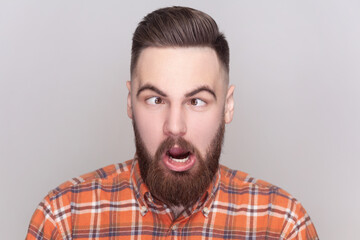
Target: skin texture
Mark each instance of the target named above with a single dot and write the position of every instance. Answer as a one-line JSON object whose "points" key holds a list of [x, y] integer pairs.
{"points": [[179, 93], [176, 72]]}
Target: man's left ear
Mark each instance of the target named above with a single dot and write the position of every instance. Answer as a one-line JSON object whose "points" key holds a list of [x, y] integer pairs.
{"points": [[229, 104]]}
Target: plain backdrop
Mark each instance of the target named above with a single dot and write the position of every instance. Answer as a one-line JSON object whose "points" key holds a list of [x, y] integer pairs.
{"points": [[295, 65]]}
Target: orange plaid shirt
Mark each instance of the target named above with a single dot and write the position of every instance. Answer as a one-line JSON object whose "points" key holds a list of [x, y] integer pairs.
{"points": [[114, 203]]}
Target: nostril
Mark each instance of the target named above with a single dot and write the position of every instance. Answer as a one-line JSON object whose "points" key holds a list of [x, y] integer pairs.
{"points": [[174, 130]]}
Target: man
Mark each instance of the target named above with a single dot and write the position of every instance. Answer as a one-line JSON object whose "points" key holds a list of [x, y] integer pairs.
{"points": [[179, 101]]}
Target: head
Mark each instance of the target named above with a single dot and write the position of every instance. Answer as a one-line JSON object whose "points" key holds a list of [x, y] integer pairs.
{"points": [[179, 100], [178, 27]]}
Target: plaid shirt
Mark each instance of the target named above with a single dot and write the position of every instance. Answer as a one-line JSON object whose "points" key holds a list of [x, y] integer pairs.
{"points": [[114, 203]]}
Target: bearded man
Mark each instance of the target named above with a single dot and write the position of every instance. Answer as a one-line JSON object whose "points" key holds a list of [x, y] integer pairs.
{"points": [[179, 101]]}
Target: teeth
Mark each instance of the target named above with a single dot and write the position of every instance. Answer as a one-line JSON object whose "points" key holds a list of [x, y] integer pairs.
{"points": [[180, 160]]}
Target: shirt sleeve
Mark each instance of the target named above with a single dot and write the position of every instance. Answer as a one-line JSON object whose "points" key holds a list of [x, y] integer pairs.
{"points": [[43, 224], [299, 225]]}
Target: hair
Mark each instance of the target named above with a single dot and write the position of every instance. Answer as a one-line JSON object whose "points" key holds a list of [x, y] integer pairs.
{"points": [[179, 27]]}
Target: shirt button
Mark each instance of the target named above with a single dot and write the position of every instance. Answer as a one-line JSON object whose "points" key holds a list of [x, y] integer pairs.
{"points": [[143, 210], [206, 210], [174, 227]]}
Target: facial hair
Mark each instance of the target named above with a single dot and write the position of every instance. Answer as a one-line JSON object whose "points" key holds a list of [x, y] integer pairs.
{"points": [[178, 188]]}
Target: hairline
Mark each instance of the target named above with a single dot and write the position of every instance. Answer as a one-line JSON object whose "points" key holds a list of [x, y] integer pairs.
{"points": [[224, 71]]}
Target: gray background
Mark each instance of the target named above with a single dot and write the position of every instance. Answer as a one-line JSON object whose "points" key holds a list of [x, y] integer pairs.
{"points": [[295, 64]]}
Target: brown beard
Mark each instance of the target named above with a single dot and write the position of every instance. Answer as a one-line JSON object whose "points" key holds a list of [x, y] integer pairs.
{"points": [[178, 188]]}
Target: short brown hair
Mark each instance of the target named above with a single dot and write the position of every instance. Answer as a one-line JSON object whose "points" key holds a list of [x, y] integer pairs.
{"points": [[178, 27]]}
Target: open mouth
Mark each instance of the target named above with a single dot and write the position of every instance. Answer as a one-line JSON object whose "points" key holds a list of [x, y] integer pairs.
{"points": [[178, 159], [178, 155]]}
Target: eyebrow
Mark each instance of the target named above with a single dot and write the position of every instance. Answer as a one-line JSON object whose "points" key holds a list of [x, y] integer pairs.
{"points": [[151, 88], [200, 89], [189, 94]]}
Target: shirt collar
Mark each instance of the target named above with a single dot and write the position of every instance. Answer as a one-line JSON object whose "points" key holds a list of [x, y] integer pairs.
{"points": [[142, 193], [206, 201], [138, 186]]}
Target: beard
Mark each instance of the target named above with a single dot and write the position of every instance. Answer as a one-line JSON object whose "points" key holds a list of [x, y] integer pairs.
{"points": [[178, 188]]}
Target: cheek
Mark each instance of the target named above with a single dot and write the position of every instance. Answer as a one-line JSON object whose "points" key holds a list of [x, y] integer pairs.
{"points": [[150, 128], [202, 130]]}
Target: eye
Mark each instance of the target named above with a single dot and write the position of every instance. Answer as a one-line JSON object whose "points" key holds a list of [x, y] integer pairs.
{"points": [[197, 102], [154, 100]]}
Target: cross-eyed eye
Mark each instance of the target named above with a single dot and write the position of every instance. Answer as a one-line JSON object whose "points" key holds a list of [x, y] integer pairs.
{"points": [[197, 102], [154, 100]]}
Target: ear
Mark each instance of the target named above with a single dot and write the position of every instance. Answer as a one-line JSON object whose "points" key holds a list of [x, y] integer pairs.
{"points": [[229, 104], [129, 108]]}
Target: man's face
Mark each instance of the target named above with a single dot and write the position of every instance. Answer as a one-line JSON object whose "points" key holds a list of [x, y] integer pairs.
{"points": [[179, 101]]}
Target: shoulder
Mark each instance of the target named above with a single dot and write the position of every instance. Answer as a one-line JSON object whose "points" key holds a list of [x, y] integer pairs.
{"points": [[274, 208], [241, 182], [53, 216], [116, 173], [250, 193]]}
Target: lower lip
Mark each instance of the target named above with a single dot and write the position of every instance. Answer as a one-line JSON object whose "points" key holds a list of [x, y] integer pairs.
{"points": [[178, 166]]}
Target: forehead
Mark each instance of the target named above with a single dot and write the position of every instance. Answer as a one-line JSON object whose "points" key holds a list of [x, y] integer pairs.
{"points": [[179, 67]]}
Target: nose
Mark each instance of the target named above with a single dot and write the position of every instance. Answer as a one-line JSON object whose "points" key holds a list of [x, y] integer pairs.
{"points": [[175, 123]]}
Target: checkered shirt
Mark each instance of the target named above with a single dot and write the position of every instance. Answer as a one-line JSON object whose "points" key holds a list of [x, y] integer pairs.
{"points": [[114, 203]]}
